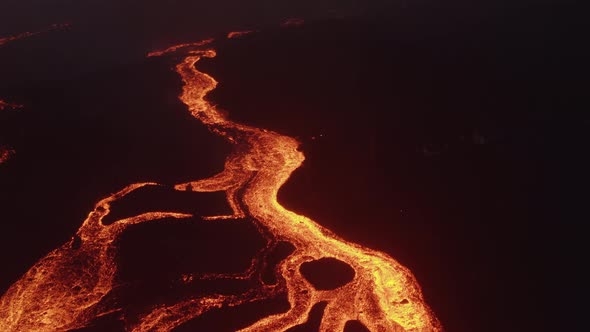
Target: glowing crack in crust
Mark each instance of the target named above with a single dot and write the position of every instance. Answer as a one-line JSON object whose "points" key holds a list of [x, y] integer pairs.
{"points": [[56, 294]]}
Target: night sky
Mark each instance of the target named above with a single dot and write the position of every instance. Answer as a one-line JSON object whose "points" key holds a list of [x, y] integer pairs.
{"points": [[448, 135]]}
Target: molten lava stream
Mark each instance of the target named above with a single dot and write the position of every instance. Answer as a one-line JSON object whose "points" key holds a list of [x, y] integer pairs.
{"points": [[383, 295]]}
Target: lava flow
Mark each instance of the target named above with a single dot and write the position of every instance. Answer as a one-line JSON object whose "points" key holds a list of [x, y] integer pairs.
{"points": [[22, 35], [239, 34], [65, 290]]}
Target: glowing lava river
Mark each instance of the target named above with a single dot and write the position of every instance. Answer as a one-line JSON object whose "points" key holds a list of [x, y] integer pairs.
{"points": [[65, 290]]}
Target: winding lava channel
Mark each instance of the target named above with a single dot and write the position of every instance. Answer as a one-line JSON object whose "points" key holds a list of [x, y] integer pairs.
{"points": [[67, 288]]}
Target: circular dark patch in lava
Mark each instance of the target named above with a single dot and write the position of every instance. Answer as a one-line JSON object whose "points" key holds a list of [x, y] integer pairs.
{"points": [[327, 273]]}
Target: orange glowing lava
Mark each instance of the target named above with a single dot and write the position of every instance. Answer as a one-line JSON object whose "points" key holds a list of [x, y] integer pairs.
{"points": [[238, 34], [8, 39], [180, 46], [64, 290]]}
